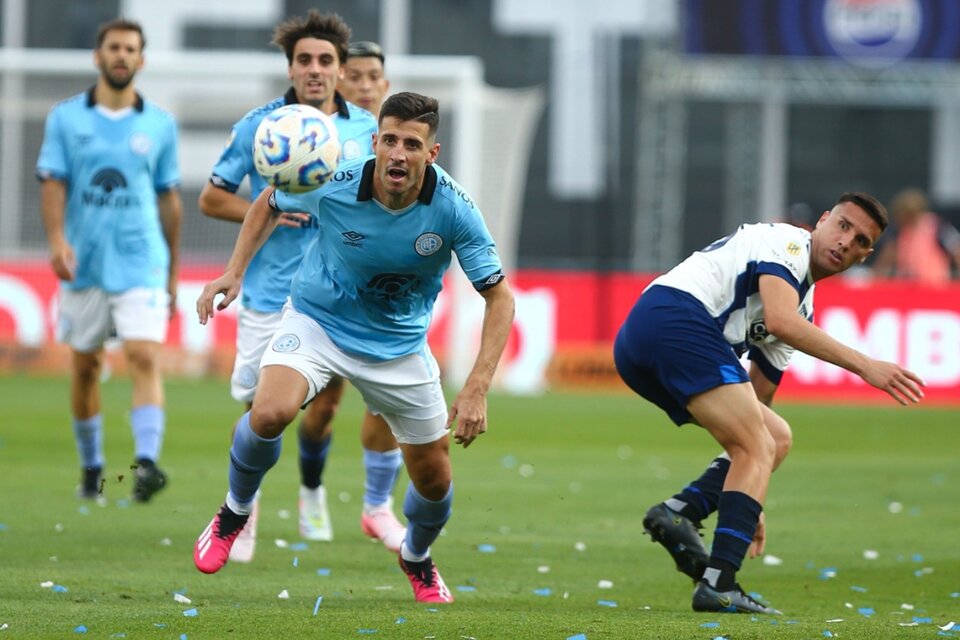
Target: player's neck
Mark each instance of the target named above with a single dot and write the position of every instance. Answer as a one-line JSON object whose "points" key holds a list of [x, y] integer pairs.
{"points": [[328, 106], [115, 99]]}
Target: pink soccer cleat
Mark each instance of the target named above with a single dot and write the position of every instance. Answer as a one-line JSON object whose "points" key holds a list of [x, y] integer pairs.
{"points": [[212, 548], [427, 584], [380, 524]]}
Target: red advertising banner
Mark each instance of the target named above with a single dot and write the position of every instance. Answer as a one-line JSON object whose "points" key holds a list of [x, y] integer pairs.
{"points": [[565, 324]]}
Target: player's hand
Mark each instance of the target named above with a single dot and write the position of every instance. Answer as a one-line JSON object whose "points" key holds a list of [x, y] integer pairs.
{"points": [[469, 410], [903, 386], [228, 284], [64, 262], [759, 539], [172, 292], [296, 219]]}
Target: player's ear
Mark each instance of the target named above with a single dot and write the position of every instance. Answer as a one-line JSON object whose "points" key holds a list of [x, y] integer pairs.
{"points": [[434, 152]]}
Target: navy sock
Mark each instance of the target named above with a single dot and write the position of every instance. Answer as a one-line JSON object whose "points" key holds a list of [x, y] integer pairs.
{"points": [[700, 498], [313, 459], [737, 518]]}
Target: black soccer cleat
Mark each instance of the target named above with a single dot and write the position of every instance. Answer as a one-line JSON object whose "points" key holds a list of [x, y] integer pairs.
{"points": [[706, 598], [91, 484], [149, 480], [680, 536]]}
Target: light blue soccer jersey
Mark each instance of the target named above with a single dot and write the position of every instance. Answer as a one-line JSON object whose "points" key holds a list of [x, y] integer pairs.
{"points": [[371, 276], [114, 169], [267, 281]]}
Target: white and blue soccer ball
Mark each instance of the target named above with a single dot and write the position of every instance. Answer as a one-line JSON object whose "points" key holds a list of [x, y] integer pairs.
{"points": [[296, 148]]}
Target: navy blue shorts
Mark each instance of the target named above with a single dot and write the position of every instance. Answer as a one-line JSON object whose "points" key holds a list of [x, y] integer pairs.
{"points": [[669, 349]]}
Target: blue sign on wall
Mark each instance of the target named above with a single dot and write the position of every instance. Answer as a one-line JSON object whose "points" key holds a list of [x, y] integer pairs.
{"points": [[868, 32]]}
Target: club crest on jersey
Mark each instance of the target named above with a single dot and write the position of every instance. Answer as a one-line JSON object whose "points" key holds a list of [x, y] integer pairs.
{"points": [[793, 249], [140, 143], [428, 244], [286, 342], [350, 150]]}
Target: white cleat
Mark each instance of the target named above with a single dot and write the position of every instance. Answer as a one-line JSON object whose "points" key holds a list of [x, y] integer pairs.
{"points": [[381, 524], [245, 544], [314, 515]]}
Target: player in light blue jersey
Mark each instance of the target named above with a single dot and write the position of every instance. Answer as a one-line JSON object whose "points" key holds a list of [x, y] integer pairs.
{"points": [[361, 304], [679, 346], [111, 207], [315, 48]]}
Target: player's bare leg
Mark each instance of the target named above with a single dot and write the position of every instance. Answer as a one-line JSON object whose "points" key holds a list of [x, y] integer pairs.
{"points": [[427, 508], [87, 421], [147, 418], [382, 460], [315, 434]]}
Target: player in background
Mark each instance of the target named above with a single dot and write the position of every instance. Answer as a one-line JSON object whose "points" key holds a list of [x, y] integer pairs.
{"points": [[315, 47], [364, 82], [678, 348], [360, 307], [111, 207]]}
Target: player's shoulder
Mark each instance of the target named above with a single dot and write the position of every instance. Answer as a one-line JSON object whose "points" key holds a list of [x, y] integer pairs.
{"points": [[450, 191], [72, 103], [253, 117], [360, 115], [154, 110]]}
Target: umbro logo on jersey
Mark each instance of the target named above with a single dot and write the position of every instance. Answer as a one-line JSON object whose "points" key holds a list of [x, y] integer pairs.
{"points": [[353, 239]]}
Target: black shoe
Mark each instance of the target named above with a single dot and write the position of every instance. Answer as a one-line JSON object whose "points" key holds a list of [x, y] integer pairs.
{"points": [[91, 484], [706, 598], [149, 480], [680, 536]]}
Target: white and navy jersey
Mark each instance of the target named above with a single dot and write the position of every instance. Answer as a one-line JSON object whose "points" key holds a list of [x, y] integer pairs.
{"points": [[267, 281], [371, 275], [114, 166], [725, 278]]}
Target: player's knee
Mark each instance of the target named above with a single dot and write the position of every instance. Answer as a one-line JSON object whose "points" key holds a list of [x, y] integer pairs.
{"points": [[783, 439], [86, 369], [141, 359], [318, 417], [268, 419]]}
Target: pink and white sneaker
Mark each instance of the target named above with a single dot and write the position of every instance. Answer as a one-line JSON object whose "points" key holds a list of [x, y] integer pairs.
{"points": [[381, 524], [212, 548], [427, 584], [246, 542]]}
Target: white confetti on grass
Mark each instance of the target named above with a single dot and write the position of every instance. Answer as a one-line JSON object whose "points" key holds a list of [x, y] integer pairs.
{"points": [[907, 607], [580, 546], [947, 627], [771, 560], [283, 595], [895, 507], [870, 554], [281, 543], [182, 599], [46, 584], [543, 569], [605, 584]]}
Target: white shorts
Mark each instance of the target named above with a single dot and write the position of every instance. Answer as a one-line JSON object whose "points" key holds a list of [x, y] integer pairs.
{"points": [[405, 391], [89, 317], [254, 330]]}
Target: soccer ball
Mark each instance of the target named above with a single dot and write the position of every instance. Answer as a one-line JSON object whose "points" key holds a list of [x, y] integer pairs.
{"points": [[296, 148]]}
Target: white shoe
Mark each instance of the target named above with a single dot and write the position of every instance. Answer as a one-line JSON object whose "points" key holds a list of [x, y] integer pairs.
{"points": [[381, 524], [246, 542], [314, 515]]}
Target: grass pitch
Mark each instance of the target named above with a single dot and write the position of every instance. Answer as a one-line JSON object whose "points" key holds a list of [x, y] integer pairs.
{"points": [[863, 517]]}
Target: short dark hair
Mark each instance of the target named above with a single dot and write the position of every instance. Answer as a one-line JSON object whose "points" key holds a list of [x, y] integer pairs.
{"points": [[365, 49], [120, 24], [322, 26], [406, 106], [868, 203]]}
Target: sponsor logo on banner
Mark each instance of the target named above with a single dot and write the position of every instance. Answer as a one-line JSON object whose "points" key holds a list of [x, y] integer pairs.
{"points": [[873, 33]]}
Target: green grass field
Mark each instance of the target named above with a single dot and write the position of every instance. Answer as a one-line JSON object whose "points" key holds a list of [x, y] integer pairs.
{"points": [[548, 504]]}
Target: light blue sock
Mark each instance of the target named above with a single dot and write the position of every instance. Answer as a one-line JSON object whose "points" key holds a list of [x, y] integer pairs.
{"points": [[425, 519], [88, 434], [382, 468], [250, 458], [147, 424]]}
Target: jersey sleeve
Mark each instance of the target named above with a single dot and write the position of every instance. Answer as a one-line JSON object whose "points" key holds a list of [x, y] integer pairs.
{"points": [[236, 160], [783, 255], [475, 249], [308, 202], [52, 161], [167, 176]]}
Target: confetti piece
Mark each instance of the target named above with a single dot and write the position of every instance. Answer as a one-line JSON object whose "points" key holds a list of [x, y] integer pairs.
{"points": [[323, 572], [834, 620], [508, 462], [607, 603], [182, 599], [526, 471], [895, 507], [955, 594], [159, 625], [922, 620], [4, 626], [542, 592], [579, 636], [710, 625], [580, 546], [296, 561], [59, 588], [487, 548], [183, 636], [191, 613], [466, 587], [870, 554], [909, 624], [281, 544], [283, 595], [80, 629], [316, 607], [866, 611], [827, 634], [298, 546], [605, 584], [947, 627], [400, 620], [166, 542], [917, 557], [854, 587], [46, 585], [3, 527], [543, 569], [772, 561], [58, 527], [84, 511], [828, 572], [366, 632], [906, 607], [283, 514]]}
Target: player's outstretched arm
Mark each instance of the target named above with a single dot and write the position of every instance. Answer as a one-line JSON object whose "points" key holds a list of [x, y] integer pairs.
{"points": [[170, 207], [469, 408], [258, 224], [780, 302], [53, 200], [223, 205]]}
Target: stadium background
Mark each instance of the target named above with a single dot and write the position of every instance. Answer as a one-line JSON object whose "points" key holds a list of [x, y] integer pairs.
{"points": [[604, 141]]}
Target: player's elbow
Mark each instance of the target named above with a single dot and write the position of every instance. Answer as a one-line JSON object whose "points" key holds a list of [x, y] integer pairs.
{"points": [[780, 325], [210, 201]]}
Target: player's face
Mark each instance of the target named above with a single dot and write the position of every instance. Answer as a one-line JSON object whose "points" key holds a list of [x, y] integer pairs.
{"points": [[844, 236], [119, 57], [363, 82], [403, 148], [314, 72]]}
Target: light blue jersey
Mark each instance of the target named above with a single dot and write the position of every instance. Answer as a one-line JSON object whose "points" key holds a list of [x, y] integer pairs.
{"points": [[371, 276], [267, 282], [114, 169]]}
